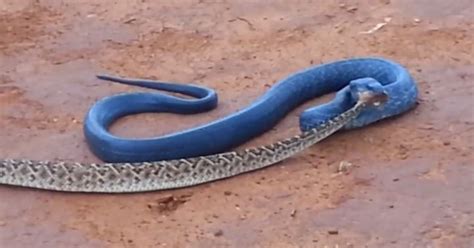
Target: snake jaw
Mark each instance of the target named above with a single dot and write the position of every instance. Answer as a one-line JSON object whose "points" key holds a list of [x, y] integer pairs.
{"points": [[373, 98]]}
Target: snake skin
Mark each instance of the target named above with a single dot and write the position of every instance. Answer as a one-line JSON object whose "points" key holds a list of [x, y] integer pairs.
{"points": [[150, 176], [345, 76]]}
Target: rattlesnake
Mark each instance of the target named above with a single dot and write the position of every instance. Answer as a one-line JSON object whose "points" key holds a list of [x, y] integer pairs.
{"points": [[168, 174]]}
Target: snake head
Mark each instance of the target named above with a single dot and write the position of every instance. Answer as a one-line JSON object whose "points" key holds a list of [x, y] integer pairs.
{"points": [[368, 91]]}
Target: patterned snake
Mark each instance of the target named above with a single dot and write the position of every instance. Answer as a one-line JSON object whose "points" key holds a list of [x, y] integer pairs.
{"points": [[370, 89]]}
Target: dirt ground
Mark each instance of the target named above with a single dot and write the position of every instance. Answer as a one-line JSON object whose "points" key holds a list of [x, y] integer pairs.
{"points": [[411, 179]]}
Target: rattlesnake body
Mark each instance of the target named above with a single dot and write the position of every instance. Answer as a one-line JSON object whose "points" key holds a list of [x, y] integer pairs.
{"points": [[149, 176]]}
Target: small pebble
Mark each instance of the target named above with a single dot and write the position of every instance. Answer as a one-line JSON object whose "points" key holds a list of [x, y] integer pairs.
{"points": [[219, 233], [293, 213], [351, 9], [344, 166]]}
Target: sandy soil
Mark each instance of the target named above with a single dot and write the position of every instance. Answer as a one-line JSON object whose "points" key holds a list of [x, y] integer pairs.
{"points": [[410, 183]]}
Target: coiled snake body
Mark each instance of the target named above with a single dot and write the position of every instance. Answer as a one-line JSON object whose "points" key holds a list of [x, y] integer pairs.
{"points": [[370, 89]]}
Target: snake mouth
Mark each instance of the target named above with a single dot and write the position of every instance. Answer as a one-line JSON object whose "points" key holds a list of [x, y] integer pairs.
{"points": [[373, 98]]}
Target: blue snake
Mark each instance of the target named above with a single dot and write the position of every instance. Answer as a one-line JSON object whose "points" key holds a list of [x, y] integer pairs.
{"points": [[344, 76]]}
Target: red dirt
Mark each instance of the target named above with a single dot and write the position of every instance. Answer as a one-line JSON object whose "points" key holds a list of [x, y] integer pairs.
{"points": [[410, 183]]}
